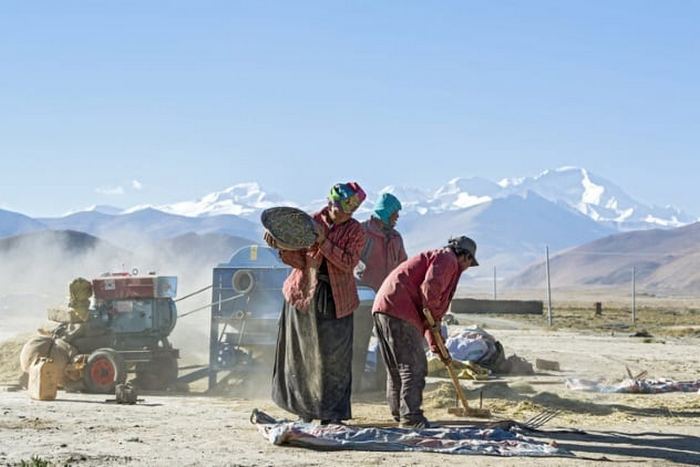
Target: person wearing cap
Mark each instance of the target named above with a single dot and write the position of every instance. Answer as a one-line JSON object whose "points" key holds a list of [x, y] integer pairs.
{"points": [[312, 373], [425, 281], [382, 252]]}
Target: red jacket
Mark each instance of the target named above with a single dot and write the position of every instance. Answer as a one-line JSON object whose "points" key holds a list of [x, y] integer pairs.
{"points": [[341, 249], [383, 251], [428, 280]]}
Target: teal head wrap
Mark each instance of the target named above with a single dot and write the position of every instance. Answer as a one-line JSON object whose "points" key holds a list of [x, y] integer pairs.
{"points": [[386, 205]]}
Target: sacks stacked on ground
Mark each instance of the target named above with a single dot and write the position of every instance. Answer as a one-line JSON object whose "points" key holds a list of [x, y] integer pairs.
{"points": [[65, 325], [47, 346], [475, 345], [472, 344]]}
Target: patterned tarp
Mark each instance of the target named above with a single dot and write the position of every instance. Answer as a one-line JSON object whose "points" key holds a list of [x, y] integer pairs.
{"points": [[634, 386], [448, 440]]}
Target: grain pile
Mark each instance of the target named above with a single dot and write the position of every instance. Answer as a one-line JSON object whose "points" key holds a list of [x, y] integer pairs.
{"points": [[10, 369]]}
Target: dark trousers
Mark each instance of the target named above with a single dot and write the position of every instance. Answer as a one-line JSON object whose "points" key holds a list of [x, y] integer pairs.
{"points": [[401, 346]]}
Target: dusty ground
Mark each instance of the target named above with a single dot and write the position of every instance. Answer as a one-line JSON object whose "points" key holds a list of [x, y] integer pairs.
{"points": [[193, 430]]}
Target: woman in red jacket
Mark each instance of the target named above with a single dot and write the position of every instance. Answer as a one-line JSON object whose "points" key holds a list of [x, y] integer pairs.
{"points": [[383, 251], [426, 281], [312, 369]]}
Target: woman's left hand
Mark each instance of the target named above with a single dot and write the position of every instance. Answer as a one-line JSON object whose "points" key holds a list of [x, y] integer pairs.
{"points": [[320, 233]]}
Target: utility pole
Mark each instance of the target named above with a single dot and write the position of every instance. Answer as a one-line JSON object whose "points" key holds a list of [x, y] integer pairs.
{"points": [[634, 295], [549, 286], [494, 282]]}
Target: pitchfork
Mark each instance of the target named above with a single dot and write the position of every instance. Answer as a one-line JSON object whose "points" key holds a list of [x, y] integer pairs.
{"points": [[537, 421]]}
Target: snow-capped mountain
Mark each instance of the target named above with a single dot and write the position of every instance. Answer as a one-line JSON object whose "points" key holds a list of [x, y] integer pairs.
{"points": [[412, 199], [574, 188], [458, 193], [461, 193], [243, 199], [511, 231], [570, 187], [597, 198], [512, 220]]}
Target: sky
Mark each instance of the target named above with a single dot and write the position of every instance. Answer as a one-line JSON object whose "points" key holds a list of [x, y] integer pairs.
{"points": [[150, 102]]}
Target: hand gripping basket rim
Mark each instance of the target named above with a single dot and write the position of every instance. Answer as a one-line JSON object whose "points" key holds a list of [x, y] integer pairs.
{"points": [[292, 228]]}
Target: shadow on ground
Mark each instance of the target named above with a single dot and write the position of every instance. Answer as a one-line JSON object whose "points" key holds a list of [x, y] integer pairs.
{"points": [[669, 447]]}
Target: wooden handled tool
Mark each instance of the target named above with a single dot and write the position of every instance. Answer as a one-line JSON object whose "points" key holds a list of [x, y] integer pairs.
{"points": [[465, 410]]}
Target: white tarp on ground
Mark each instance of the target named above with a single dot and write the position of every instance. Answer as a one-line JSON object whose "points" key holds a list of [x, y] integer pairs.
{"points": [[471, 344], [447, 440]]}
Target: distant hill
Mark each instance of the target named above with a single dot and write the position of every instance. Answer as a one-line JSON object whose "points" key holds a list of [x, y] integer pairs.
{"points": [[54, 251], [68, 241], [44, 262], [665, 260], [207, 249], [512, 220], [511, 232], [14, 223], [131, 229], [39, 265]]}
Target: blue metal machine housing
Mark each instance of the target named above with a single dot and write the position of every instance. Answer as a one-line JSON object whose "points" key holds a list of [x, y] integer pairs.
{"points": [[246, 304], [247, 301]]}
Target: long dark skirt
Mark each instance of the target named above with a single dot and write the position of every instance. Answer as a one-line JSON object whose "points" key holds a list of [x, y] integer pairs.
{"points": [[312, 375]]}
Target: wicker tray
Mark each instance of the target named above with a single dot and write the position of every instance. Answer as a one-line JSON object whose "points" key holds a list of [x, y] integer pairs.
{"points": [[292, 228]]}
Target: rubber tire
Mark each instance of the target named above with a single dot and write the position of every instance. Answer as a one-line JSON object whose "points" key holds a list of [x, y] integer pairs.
{"points": [[100, 361]]}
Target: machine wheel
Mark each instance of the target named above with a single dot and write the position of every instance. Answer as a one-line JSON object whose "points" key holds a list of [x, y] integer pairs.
{"points": [[104, 369], [157, 375]]}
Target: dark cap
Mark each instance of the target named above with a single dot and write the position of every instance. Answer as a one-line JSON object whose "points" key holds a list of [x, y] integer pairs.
{"points": [[464, 245]]}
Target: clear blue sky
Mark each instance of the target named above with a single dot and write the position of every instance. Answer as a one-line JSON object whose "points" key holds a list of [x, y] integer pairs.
{"points": [[191, 97]]}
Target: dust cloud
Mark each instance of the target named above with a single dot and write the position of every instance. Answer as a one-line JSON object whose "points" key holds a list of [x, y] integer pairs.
{"points": [[36, 269]]}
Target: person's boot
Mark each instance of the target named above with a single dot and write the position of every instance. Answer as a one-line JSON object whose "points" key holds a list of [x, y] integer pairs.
{"points": [[418, 424], [335, 421]]}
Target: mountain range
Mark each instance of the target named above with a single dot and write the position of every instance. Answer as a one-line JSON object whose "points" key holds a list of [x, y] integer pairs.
{"points": [[571, 187], [574, 188], [512, 220]]}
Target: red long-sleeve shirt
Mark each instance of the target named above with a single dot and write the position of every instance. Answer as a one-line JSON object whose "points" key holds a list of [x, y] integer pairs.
{"points": [[428, 280], [341, 249], [383, 251]]}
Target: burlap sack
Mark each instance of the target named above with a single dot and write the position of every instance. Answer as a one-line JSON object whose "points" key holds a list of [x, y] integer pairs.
{"points": [[62, 315], [41, 346], [80, 293]]}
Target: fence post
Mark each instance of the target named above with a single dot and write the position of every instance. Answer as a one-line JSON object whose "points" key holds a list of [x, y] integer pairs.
{"points": [[549, 287]]}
